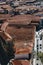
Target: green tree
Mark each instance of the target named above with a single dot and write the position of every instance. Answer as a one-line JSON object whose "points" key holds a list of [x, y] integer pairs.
{"points": [[40, 55]]}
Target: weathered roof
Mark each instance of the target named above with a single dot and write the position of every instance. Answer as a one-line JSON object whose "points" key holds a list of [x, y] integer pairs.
{"points": [[2, 3], [25, 7], [4, 16], [18, 62], [23, 37], [29, 0], [39, 13], [26, 0], [24, 19], [20, 19], [20, 33], [7, 7]]}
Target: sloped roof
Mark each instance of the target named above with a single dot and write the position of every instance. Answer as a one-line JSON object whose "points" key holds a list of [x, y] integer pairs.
{"points": [[21, 37], [4, 16], [24, 7], [29, 0], [7, 7], [39, 13], [20, 19], [22, 33], [24, 19]]}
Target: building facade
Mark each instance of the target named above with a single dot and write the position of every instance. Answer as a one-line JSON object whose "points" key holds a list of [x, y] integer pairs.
{"points": [[38, 47]]}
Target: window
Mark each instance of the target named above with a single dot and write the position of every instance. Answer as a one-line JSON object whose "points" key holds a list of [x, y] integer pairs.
{"points": [[37, 45], [37, 58], [40, 45], [37, 48], [36, 64], [37, 41], [40, 37]]}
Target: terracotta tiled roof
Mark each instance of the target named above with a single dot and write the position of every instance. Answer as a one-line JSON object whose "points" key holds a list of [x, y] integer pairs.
{"points": [[28, 8], [7, 7], [38, 13], [24, 19], [19, 62], [20, 19]]}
